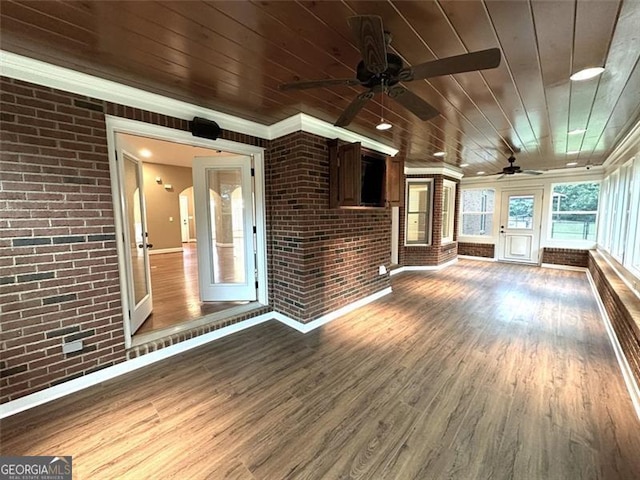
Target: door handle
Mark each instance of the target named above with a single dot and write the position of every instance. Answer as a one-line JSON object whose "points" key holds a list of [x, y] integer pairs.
{"points": [[149, 245]]}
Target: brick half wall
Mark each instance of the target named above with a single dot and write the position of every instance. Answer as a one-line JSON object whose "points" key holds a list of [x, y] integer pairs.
{"points": [[566, 256], [485, 250], [622, 306]]}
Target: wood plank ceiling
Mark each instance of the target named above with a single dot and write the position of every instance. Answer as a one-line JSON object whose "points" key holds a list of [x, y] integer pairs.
{"points": [[231, 56]]}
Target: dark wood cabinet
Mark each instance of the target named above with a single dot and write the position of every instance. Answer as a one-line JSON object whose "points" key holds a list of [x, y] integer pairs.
{"points": [[360, 178]]}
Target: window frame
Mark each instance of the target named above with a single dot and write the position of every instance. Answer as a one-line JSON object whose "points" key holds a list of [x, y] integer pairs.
{"points": [[429, 212], [489, 234], [450, 211], [574, 242]]}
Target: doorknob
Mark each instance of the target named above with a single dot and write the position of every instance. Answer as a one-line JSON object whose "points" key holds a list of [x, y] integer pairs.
{"points": [[149, 245]]}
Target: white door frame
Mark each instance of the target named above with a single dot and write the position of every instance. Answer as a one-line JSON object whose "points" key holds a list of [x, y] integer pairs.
{"points": [[534, 233], [121, 125]]}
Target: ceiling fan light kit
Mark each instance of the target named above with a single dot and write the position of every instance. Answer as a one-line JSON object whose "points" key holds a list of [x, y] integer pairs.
{"points": [[382, 71]]}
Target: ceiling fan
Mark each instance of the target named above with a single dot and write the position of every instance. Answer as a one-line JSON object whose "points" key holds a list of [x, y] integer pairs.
{"points": [[382, 71], [512, 169]]}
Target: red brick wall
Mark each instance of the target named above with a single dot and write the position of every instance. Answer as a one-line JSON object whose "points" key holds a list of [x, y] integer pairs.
{"points": [[622, 306], [59, 269], [566, 256], [320, 259], [436, 253], [58, 261], [477, 249]]}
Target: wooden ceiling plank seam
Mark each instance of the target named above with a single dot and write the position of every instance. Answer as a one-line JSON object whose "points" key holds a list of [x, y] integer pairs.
{"points": [[484, 81], [596, 88], [373, 114], [273, 91], [453, 8], [18, 11], [450, 77], [512, 76], [328, 103], [611, 52], [54, 36], [377, 104], [539, 60], [635, 71], [431, 84]]}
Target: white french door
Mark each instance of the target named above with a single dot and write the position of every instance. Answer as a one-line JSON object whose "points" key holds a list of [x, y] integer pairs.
{"points": [[520, 223], [224, 211], [136, 242]]}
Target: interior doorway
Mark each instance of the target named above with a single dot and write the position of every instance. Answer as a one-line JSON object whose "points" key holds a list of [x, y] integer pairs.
{"points": [[166, 178]]}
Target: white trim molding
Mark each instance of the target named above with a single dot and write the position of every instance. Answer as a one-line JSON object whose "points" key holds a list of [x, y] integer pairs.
{"points": [[318, 322], [570, 268], [42, 73], [86, 381], [434, 169], [424, 268], [479, 259]]}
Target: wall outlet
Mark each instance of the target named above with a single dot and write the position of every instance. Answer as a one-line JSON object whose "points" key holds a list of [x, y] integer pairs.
{"points": [[70, 347], [171, 219], [382, 270]]}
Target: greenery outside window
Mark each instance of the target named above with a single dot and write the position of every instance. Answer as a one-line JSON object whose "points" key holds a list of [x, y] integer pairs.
{"points": [[574, 210], [418, 212]]}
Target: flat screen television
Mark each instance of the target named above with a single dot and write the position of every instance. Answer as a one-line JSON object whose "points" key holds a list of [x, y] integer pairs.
{"points": [[373, 182]]}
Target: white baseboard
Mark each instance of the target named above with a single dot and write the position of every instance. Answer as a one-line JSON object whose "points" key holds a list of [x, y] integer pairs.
{"points": [[77, 384], [564, 267], [318, 322], [165, 250], [425, 268], [629, 379], [480, 259]]}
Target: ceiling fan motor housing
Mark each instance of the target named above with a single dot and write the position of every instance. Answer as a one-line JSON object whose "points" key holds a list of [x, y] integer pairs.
{"points": [[390, 75]]}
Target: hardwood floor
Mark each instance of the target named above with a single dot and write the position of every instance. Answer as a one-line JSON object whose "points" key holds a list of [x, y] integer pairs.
{"points": [[176, 297], [479, 371]]}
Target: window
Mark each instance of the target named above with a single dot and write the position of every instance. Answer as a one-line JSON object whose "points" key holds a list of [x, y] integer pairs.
{"points": [[621, 215], [477, 212], [574, 210], [448, 209], [418, 221]]}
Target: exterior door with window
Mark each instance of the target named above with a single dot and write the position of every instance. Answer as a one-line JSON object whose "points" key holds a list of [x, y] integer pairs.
{"points": [[136, 242], [520, 223], [224, 211]]}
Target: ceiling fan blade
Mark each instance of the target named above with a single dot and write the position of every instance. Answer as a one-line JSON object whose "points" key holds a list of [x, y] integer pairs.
{"points": [[413, 103], [531, 172], [447, 66], [354, 107], [304, 84], [369, 34]]}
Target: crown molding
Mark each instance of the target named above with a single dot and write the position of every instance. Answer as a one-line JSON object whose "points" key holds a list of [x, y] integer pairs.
{"points": [[42, 73], [435, 169]]}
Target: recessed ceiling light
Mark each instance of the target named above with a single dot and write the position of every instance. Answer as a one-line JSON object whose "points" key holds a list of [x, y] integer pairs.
{"points": [[481, 173], [573, 152], [464, 165], [587, 73], [577, 131], [145, 152], [383, 125], [439, 154], [572, 164]]}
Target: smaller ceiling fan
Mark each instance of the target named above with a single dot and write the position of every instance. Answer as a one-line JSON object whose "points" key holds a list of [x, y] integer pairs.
{"points": [[382, 71], [512, 169]]}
